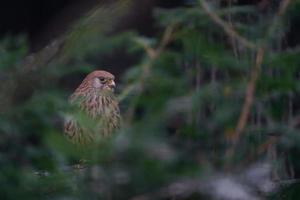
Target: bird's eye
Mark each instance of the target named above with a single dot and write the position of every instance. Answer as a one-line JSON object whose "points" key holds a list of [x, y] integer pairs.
{"points": [[102, 79]]}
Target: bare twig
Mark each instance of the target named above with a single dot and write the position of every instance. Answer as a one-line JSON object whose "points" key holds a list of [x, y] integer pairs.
{"points": [[250, 92], [231, 32], [153, 54], [283, 7], [167, 37], [249, 98], [232, 40], [251, 87]]}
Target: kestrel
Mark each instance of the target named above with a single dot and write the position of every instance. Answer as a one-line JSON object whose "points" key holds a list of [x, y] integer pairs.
{"points": [[94, 99]]}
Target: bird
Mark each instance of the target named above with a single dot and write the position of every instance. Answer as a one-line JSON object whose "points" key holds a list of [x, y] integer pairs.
{"points": [[99, 114]]}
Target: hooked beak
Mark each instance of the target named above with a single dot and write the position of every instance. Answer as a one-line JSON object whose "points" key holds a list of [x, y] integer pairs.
{"points": [[112, 84]]}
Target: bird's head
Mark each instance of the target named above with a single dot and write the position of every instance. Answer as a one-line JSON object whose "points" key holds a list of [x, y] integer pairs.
{"points": [[101, 80]]}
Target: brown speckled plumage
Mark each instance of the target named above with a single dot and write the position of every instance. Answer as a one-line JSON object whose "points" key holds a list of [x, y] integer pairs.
{"points": [[99, 114]]}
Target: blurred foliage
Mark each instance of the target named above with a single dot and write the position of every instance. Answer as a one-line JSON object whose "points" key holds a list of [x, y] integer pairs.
{"points": [[181, 101]]}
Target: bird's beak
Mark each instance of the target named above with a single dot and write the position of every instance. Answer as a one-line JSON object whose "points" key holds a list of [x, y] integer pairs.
{"points": [[112, 84]]}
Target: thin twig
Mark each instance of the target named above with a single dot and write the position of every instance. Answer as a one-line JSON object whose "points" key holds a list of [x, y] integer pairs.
{"points": [[167, 37], [249, 98], [283, 7], [153, 54], [232, 40], [251, 87], [231, 32]]}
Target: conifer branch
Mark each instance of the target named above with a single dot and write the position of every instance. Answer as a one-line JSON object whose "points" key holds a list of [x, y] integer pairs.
{"points": [[231, 32], [251, 87]]}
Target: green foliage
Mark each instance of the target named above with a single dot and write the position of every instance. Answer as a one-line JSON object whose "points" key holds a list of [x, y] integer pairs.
{"points": [[180, 107]]}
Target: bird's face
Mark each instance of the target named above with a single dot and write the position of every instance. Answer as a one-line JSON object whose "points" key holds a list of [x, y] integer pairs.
{"points": [[100, 81], [104, 83]]}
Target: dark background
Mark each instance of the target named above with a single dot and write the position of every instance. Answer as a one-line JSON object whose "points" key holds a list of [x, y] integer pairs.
{"points": [[42, 21]]}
